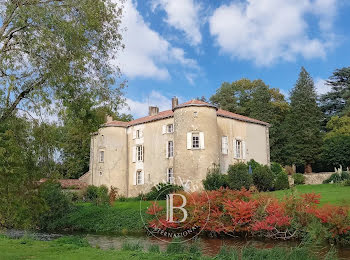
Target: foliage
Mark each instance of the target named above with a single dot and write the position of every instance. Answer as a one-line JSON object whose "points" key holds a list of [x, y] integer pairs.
{"points": [[240, 213], [337, 178], [128, 246], [281, 181], [338, 126], [299, 178], [215, 179], [57, 204], [20, 205], [303, 123], [124, 217], [336, 150], [161, 190], [239, 177], [255, 99], [263, 178], [336, 102], [276, 168], [57, 50], [97, 195]]}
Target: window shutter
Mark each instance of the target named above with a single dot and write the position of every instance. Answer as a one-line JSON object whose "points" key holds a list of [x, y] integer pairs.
{"points": [[134, 154], [164, 129], [224, 145], [141, 133], [166, 150], [201, 140], [135, 177], [234, 149], [133, 134], [243, 150], [142, 177], [189, 140], [143, 153]]}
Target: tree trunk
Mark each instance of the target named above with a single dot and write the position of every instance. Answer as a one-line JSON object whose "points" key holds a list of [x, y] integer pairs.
{"points": [[308, 168]]}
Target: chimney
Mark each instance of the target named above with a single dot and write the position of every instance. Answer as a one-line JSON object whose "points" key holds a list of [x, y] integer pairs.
{"points": [[174, 102], [109, 119], [153, 111]]}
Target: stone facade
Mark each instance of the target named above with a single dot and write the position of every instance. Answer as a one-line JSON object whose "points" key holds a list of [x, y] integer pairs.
{"points": [[177, 145]]}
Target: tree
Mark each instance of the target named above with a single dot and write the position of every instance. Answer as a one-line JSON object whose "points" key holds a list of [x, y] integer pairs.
{"points": [[336, 150], [338, 126], [303, 123], [336, 102], [51, 49], [255, 99], [20, 206]]}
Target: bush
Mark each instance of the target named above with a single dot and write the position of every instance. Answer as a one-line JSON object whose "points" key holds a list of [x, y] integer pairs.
{"points": [[239, 177], [161, 190], [276, 168], [263, 178], [57, 203], [281, 181], [347, 182], [299, 178], [337, 178], [215, 179], [253, 164], [97, 195]]}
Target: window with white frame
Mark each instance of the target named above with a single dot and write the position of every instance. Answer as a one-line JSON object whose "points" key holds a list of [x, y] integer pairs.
{"points": [[170, 152], [170, 175], [139, 177], [170, 128], [102, 156], [239, 149], [195, 140], [139, 153]]}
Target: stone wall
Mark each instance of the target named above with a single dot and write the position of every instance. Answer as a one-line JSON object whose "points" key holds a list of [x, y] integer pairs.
{"points": [[313, 178]]}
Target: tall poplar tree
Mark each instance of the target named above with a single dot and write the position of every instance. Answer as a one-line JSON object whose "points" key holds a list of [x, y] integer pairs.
{"points": [[303, 123]]}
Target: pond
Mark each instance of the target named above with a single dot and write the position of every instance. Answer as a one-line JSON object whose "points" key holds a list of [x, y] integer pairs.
{"points": [[210, 246]]}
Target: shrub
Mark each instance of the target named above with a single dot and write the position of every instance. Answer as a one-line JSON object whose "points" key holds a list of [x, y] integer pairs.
{"points": [[253, 164], [57, 203], [337, 178], [281, 181], [263, 178], [239, 177], [161, 190], [299, 178], [347, 182], [97, 195], [276, 168], [215, 179]]}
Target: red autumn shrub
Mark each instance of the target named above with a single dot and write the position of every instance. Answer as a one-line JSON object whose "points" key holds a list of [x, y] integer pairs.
{"points": [[236, 212]]}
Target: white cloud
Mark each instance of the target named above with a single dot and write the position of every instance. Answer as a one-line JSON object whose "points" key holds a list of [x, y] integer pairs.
{"points": [[146, 53], [140, 108], [321, 86], [266, 31], [183, 15]]}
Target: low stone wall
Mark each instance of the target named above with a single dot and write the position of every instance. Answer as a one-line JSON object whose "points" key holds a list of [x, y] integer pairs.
{"points": [[313, 178]]}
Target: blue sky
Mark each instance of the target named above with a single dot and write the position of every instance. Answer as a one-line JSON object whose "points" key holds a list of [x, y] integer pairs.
{"points": [[187, 48]]}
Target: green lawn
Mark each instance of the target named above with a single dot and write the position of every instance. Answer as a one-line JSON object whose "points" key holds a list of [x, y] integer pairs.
{"points": [[330, 193]]}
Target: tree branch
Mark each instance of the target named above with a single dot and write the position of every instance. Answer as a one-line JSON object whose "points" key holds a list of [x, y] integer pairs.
{"points": [[7, 21], [18, 99]]}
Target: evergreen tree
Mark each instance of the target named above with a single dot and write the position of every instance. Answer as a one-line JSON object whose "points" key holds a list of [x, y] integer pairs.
{"points": [[303, 123]]}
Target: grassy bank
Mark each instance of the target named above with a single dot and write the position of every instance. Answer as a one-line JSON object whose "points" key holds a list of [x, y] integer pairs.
{"points": [[123, 217], [75, 248], [330, 193]]}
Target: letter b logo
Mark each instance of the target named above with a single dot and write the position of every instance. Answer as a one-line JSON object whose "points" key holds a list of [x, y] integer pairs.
{"points": [[170, 207]]}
